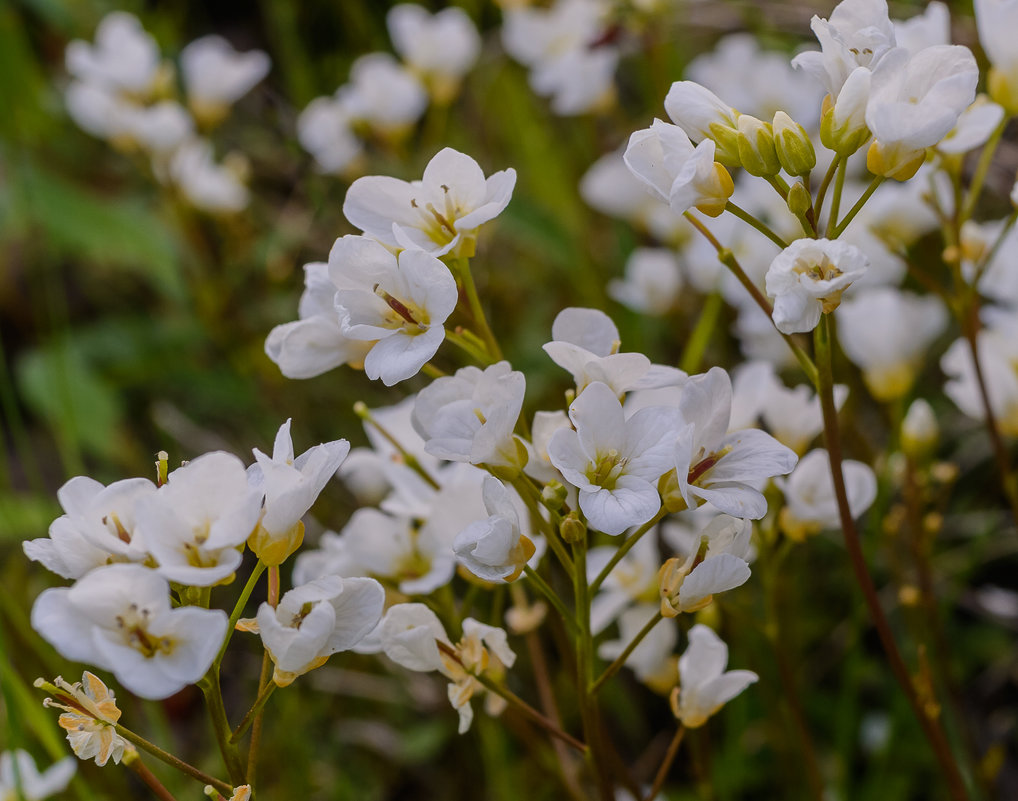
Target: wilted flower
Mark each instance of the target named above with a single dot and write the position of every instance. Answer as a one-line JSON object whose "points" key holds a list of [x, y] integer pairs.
{"points": [[704, 685], [90, 712]]}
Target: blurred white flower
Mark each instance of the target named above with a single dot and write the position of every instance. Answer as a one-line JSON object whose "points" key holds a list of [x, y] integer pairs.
{"points": [[809, 493], [124, 58], [398, 303], [383, 94], [997, 347], [325, 130], [651, 661], [974, 127], [931, 27], [316, 620], [996, 21], [20, 779], [212, 187], [704, 685], [440, 48], [633, 580], [439, 214], [807, 279], [615, 462], [652, 281], [470, 416], [886, 333], [216, 75], [119, 618]]}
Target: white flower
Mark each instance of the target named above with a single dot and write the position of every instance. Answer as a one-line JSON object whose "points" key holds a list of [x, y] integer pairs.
{"points": [[718, 564], [21, 779], [216, 75], [206, 185], [974, 127], [325, 130], [160, 128], [315, 343], [685, 176], [98, 527], [919, 429], [809, 492], [399, 303], [614, 462], [858, 34], [383, 94], [808, 277], [90, 713], [470, 416], [932, 27], [886, 334], [998, 357], [704, 685], [124, 57], [703, 115], [652, 281], [441, 48], [723, 468], [119, 618], [793, 415], [439, 214], [495, 549], [633, 580], [410, 635], [996, 21], [578, 80], [651, 660], [291, 485], [194, 523], [914, 103], [316, 620], [586, 343]]}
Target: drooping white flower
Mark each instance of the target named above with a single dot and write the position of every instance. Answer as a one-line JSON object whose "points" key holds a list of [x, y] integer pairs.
{"points": [[315, 343], [886, 334], [410, 634], [495, 549], [21, 779], [291, 485], [704, 685], [98, 528], [383, 94], [914, 102], [124, 58], [439, 214], [216, 75], [586, 343], [807, 279], [470, 416], [316, 620], [119, 618], [194, 523], [652, 281], [717, 565], [90, 712], [325, 130], [614, 461], [724, 469], [440, 48], [809, 493], [683, 175], [399, 303], [212, 187]]}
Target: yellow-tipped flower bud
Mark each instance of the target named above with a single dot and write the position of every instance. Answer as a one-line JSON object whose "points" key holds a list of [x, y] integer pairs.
{"points": [[793, 146], [919, 431], [799, 200], [573, 529], [757, 153]]}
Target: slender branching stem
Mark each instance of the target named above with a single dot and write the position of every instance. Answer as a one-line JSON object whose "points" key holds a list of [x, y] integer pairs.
{"points": [[839, 185], [544, 589], [620, 660], [461, 267], [824, 184], [142, 772], [844, 223], [253, 712], [982, 170], [749, 219], [666, 764], [171, 760], [238, 610], [623, 549]]}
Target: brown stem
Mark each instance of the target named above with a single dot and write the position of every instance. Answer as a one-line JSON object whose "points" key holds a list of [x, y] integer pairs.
{"points": [[929, 723], [662, 772], [149, 778]]}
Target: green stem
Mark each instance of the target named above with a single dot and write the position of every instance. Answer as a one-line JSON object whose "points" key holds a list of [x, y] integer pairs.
{"points": [[839, 185], [171, 760], [360, 408], [666, 764], [928, 721], [530, 495], [841, 226], [542, 586], [697, 343], [238, 610], [982, 170], [748, 218], [458, 339], [461, 268], [615, 666], [822, 191], [148, 778], [256, 727], [221, 726], [256, 707], [623, 549]]}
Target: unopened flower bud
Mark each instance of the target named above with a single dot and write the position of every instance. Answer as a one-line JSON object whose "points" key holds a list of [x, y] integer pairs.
{"points": [[894, 161], [671, 494], [554, 495], [757, 154], [919, 430], [843, 122], [793, 146], [799, 201], [573, 529]]}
